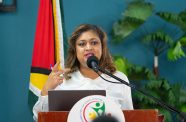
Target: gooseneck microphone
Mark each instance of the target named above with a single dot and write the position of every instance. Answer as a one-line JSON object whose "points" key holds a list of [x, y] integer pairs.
{"points": [[93, 63]]}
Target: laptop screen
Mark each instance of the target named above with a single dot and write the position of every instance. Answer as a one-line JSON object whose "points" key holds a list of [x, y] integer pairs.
{"points": [[63, 100]]}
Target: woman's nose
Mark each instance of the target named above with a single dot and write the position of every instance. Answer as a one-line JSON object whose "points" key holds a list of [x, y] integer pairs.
{"points": [[88, 46]]}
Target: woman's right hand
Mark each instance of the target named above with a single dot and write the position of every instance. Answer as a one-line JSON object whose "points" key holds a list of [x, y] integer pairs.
{"points": [[55, 78]]}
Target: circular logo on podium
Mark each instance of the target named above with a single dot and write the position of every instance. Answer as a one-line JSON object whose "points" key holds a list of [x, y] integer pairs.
{"points": [[91, 107]]}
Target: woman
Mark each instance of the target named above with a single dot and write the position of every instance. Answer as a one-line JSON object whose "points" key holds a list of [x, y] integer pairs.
{"points": [[87, 40]]}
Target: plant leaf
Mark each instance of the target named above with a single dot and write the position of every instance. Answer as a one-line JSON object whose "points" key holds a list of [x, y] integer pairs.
{"points": [[134, 72], [158, 36], [120, 65], [175, 52], [124, 27], [139, 9], [183, 41], [177, 19], [134, 16]]}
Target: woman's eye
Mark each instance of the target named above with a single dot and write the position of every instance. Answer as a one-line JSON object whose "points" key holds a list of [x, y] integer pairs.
{"points": [[81, 44], [94, 42]]}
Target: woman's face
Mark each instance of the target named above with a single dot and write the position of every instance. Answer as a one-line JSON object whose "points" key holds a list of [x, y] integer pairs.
{"points": [[88, 44]]}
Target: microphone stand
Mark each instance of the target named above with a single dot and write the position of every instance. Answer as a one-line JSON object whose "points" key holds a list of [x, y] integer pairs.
{"points": [[161, 103]]}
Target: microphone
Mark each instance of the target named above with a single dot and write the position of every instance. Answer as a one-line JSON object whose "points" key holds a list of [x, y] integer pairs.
{"points": [[92, 62]]}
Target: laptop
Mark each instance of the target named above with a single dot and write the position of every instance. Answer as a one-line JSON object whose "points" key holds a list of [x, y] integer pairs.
{"points": [[63, 100]]}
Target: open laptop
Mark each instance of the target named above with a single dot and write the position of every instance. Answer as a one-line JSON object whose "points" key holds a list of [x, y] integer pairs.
{"points": [[63, 100]]}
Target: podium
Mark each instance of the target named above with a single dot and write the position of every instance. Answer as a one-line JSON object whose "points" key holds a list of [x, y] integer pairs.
{"points": [[130, 116]]}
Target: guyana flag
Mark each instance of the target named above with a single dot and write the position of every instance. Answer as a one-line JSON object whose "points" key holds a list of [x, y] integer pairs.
{"points": [[48, 46]]}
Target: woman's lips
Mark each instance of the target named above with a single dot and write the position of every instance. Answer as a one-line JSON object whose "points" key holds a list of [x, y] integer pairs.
{"points": [[89, 54]]}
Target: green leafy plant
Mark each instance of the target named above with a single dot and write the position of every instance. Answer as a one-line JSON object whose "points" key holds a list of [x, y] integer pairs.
{"points": [[165, 94], [134, 72], [159, 42], [135, 16], [176, 51], [176, 19], [172, 94]]}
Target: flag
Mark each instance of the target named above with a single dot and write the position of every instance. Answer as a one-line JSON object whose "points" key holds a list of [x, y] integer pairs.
{"points": [[48, 46]]}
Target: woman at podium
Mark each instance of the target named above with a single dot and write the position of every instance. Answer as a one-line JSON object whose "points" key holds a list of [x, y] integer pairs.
{"points": [[87, 40]]}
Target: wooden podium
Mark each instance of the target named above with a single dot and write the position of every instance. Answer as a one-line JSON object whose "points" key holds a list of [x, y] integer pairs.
{"points": [[130, 116]]}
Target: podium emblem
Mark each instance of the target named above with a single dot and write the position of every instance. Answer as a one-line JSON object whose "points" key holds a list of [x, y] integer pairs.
{"points": [[91, 107]]}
